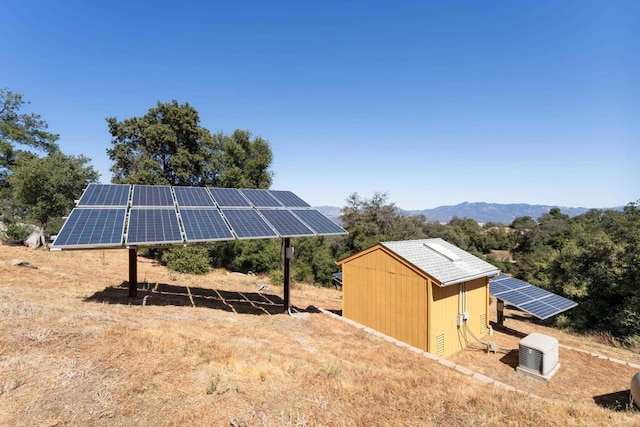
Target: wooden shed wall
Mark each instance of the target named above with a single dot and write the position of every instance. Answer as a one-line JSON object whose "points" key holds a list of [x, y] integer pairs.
{"points": [[446, 337], [478, 306], [385, 294], [444, 329]]}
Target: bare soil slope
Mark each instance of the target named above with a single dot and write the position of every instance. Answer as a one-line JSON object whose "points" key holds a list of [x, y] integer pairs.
{"points": [[215, 350]]}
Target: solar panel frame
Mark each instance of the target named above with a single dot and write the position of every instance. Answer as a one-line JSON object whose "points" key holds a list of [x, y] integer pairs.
{"points": [[532, 299], [260, 198], [193, 197], [229, 198], [286, 223], [319, 223], [205, 225], [152, 196], [153, 226], [248, 224], [92, 228], [289, 199], [112, 195]]}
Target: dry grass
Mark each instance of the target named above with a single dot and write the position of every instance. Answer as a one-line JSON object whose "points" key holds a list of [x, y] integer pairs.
{"points": [[212, 350]]}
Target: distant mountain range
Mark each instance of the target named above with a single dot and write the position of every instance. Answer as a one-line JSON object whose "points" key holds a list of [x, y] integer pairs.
{"points": [[479, 211]]}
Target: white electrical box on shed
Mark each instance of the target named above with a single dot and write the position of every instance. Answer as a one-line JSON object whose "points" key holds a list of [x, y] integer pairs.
{"points": [[538, 356]]}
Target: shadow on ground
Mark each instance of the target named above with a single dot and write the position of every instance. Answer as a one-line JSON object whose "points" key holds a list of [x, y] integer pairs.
{"points": [[512, 359], [617, 401], [507, 330], [162, 294]]}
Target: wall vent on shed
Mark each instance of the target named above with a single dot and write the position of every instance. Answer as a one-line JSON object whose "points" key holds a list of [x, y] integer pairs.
{"points": [[538, 356], [440, 345], [483, 323]]}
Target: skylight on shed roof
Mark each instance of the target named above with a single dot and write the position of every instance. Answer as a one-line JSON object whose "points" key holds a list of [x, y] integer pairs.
{"points": [[441, 250]]}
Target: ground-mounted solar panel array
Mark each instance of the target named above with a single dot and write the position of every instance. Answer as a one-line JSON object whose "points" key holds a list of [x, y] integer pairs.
{"points": [[118, 215], [535, 301]]}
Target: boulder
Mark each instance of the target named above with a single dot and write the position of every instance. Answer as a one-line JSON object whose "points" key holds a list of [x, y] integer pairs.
{"points": [[35, 239]]}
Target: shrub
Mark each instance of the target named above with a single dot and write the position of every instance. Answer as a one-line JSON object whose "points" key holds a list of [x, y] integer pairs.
{"points": [[16, 233], [276, 277], [187, 260]]}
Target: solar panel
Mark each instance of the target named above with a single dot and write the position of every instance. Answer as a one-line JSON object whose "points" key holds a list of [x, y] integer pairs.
{"points": [[513, 284], [152, 195], [288, 199], [260, 198], [319, 223], [248, 224], [535, 301], [201, 225], [540, 308], [337, 277], [151, 217], [534, 292], [193, 197], [105, 195], [561, 303], [515, 297], [229, 198], [285, 223], [153, 226], [497, 288], [91, 227]]}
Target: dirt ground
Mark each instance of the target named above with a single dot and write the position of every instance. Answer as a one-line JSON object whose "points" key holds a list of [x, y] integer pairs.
{"points": [[217, 350], [587, 376]]}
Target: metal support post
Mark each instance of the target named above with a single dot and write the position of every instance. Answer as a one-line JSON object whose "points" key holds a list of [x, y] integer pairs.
{"points": [[133, 272], [500, 309], [288, 253]]}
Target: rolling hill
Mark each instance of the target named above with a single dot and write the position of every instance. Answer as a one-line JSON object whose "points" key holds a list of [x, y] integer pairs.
{"points": [[217, 350], [479, 211]]}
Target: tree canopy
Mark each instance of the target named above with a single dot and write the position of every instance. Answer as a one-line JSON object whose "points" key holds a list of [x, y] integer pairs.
{"points": [[47, 186], [19, 131], [169, 146]]}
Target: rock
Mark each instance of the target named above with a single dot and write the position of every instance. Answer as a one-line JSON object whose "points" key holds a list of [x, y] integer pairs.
{"points": [[22, 263], [35, 239]]}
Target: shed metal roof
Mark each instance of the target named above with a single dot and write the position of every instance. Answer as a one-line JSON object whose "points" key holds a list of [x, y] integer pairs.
{"points": [[445, 262]]}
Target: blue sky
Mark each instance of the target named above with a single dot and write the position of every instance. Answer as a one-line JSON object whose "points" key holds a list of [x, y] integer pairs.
{"points": [[434, 103]]}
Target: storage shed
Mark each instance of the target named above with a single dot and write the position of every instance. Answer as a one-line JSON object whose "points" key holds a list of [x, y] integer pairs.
{"points": [[427, 293]]}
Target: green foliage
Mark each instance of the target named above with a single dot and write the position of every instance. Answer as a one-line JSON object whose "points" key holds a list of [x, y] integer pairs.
{"points": [[258, 256], [592, 258], [168, 146], [314, 261], [213, 385], [47, 186], [15, 232], [276, 277], [240, 162], [190, 260], [20, 130], [370, 221]]}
